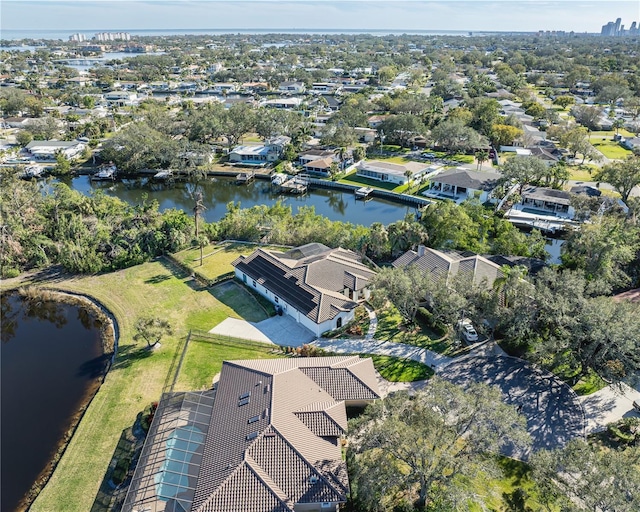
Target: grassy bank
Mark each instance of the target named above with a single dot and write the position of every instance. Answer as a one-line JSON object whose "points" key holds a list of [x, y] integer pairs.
{"points": [[138, 375]]}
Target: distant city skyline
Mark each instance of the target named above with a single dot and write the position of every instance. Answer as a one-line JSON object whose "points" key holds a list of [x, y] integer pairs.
{"points": [[495, 15]]}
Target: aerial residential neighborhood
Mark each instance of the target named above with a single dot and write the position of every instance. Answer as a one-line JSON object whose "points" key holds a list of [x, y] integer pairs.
{"points": [[371, 269]]}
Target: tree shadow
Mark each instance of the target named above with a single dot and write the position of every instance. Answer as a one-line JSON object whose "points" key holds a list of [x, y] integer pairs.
{"points": [[96, 367], [159, 278], [129, 354]]}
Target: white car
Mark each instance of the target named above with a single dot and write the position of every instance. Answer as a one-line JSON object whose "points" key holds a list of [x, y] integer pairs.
{"points": [[467, 330]]}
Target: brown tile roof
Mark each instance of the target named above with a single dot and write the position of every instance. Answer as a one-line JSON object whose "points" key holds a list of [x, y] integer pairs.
{"points": [[311, 278], [273, 441], [445, 264]]}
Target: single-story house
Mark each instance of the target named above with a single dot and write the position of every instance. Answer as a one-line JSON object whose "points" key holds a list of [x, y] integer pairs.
{"points": [[46, 150], [390, 172], [292, 87], [321, 166], [260, 154], [266, 438], [324, 87], [318, 286], [366, 135], [446, 265], [546, 201], [461, 184]]}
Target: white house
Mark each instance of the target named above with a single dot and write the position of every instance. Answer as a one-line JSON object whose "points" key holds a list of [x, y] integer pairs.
{"points": [[292, 87], [319, 287], [461, 184], [121, 98], [260, 154], [390, 172], [46, 150]]}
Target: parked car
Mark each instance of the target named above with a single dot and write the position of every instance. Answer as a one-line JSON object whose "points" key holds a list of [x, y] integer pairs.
{"points": [[467, 330]]}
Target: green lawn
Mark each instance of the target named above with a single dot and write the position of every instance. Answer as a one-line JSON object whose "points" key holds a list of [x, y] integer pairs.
{"points": [[581, 173], [397, 369], [514, 491], [203, 359], [138, 375], [353, 179], [216, 258], [242, 301], [609, 148], [391, 328]]}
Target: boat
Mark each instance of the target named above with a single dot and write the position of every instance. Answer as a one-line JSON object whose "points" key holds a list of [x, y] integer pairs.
{"points": [[278, 178], [363, 192], [105, 174], [32, 171], [163, 175]]}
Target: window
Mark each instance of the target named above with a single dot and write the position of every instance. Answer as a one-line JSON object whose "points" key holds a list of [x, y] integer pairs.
{"points": [[242, 402], [277, 300], [254, 284], [339, 323]]}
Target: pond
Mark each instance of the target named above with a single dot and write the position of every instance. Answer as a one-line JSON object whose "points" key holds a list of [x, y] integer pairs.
{"points": [[217, 192], [51, 366]]}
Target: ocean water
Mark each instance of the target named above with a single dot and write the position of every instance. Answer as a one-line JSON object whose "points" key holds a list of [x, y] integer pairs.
{"points": [[15, 35]]}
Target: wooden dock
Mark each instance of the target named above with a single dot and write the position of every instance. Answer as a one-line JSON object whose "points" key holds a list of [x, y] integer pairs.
{"points": [[245, 177], [363, 192]]}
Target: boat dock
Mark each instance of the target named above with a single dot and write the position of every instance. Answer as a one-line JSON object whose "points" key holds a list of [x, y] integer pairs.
{"points": [[106, 173], [245, 177], [294, 186], [163, 175], [363, 192]]}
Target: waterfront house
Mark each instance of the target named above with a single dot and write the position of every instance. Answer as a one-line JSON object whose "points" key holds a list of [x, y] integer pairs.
{"points": [[461, 184], [391, 172], [259, 154], [46, 150], [266, 438], [319, 287]]}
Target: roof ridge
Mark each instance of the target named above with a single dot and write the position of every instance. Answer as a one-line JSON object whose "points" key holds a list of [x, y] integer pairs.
{"points": [[357, 377], [262, 475], [306, 461]]}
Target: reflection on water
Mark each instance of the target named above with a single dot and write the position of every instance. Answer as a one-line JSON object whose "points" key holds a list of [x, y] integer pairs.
{"points": [[218, 192], [52, 361]]}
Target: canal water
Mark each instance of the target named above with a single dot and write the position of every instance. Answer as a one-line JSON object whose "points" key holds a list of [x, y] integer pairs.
{"points": [[218, 192], [52, 363]]}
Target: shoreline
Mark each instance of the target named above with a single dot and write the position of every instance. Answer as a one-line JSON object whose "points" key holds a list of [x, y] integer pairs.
{"points": [[109, 336]]}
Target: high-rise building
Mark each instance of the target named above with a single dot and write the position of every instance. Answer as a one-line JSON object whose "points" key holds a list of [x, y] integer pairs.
{"points": [[616, 29], [77, 37]]}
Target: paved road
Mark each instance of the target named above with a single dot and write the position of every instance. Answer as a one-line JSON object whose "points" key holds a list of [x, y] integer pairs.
{"points": [[609, 405], [554, 413]]}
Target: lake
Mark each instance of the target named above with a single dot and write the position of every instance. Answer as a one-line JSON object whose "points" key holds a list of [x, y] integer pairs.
{"points": [[52, 364], [218, 192]]}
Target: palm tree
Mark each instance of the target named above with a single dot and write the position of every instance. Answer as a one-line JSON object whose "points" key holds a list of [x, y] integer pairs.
{"points": [[409, 175], [617, 124], [481, 157]]}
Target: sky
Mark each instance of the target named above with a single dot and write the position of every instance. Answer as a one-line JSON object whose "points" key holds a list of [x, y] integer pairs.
{"points": [[469, 15]]}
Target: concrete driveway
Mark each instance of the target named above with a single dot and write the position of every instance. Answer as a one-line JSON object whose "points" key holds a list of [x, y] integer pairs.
{"points": [[553, 411], [609, 405], [281, 330]]}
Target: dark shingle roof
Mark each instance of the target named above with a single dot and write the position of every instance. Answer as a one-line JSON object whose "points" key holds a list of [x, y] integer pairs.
{"points": [[468, 179], [311, 278], [547, 194]]}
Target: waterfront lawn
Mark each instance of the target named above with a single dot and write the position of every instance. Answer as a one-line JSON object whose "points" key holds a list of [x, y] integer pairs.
{"points": [[397, 369], [138, 375], [353, 179]]}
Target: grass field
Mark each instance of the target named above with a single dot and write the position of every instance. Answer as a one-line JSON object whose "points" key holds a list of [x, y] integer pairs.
{"points": [[580, 173], [216, 258], [396, 369], [352, 179], [138, 375], [609, 148]]}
